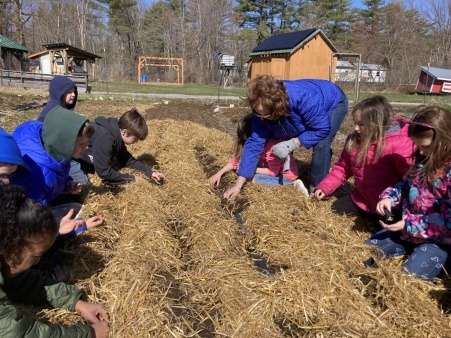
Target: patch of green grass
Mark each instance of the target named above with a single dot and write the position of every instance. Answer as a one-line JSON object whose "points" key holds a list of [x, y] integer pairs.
{"points": [[186, 89], [211, 90]]}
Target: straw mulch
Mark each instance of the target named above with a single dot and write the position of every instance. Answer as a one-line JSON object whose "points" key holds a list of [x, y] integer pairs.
{"points": [[172, 260]]}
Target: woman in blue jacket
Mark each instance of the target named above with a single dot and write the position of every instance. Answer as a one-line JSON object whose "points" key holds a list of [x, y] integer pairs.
{"points": [[306, 113]]}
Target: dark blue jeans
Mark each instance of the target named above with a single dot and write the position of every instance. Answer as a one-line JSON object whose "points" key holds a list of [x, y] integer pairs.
{"points": [[322, 152], [424, 260]]}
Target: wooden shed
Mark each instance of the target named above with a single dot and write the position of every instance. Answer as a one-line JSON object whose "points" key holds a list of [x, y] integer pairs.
{"points": [[434, 80], [10, 49], [61, 58], [303, 54]]}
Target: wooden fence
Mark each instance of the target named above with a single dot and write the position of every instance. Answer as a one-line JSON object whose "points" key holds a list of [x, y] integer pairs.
{"points": [[13, 78]]}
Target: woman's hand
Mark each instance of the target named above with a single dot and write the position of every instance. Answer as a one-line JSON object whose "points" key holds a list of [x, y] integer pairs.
{"points": [[319, 194], [94, 221], [382, 205], [232, 192], [393, 227], [235, 190]]}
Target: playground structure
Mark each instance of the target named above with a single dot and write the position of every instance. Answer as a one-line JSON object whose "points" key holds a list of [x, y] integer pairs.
{"points": [[163, 70]]}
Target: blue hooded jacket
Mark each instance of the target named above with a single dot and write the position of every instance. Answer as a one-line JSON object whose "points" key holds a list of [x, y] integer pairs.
{"points": [[10, 152], [47, 149], [57, 88], [310, 102]]}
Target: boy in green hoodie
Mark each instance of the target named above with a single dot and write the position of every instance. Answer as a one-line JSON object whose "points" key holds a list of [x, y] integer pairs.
{"points": [[47, 148]]}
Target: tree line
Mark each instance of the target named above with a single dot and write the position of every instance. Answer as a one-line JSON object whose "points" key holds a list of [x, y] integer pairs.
{"points": [[399, 35]]}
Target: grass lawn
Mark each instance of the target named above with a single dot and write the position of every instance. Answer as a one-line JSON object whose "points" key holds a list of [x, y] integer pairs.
{"points": [[212, 90], [186, 89]]}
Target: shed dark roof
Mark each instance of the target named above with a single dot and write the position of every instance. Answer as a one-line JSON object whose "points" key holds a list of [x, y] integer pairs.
{"points": [[438, 73], [8, 43], [71, 51], [288, 42]]}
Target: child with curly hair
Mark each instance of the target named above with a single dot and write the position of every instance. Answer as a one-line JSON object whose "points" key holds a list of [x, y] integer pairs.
{"points": [[27, 230]]}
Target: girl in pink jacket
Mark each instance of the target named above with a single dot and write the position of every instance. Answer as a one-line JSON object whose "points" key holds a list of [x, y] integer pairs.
{"points": [[269, 170], [377, 155]]}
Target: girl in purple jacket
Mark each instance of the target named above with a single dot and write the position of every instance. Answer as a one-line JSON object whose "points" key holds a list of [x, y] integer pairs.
{"points": [[424, 232], [377, 155], [305, 113]]}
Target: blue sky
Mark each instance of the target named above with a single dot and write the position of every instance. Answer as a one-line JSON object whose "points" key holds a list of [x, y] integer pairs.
{"points": [[356, 3]]}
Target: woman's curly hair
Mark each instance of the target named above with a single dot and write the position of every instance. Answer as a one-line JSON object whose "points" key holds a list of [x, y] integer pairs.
{"points": [[270, 93], [22, 220]]}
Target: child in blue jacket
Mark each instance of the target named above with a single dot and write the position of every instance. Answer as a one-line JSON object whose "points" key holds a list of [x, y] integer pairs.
{"points": [[47, 148]]}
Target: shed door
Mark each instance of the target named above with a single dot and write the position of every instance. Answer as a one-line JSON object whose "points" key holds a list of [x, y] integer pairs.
{"points": [[446, 87], [278, 68]]}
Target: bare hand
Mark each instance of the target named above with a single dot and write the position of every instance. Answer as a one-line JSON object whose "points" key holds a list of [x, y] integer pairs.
{"points": [[215, 180], [232, 192], [319, 194], [67, 224], [100, 329], [382, 205], [74, 188], [92, 312], [94, 221], [393, 227], [157, 177]]}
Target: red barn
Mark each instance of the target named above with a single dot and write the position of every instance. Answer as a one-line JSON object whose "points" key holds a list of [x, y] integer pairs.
{"points": [[434, 80]]}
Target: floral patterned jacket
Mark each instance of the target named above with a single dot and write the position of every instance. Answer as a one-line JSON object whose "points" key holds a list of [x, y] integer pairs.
{"points": [[426, 208]]}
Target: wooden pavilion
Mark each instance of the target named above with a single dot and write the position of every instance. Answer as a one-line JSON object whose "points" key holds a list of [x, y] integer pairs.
{"points": [[62, 58]]}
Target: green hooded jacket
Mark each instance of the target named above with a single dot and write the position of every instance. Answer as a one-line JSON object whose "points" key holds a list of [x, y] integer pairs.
{"points": [[33, 289], [60, 131]]}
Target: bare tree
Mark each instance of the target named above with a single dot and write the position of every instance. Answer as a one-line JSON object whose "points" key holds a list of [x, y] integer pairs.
{"points": [[438, 12], [404, 43]]}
